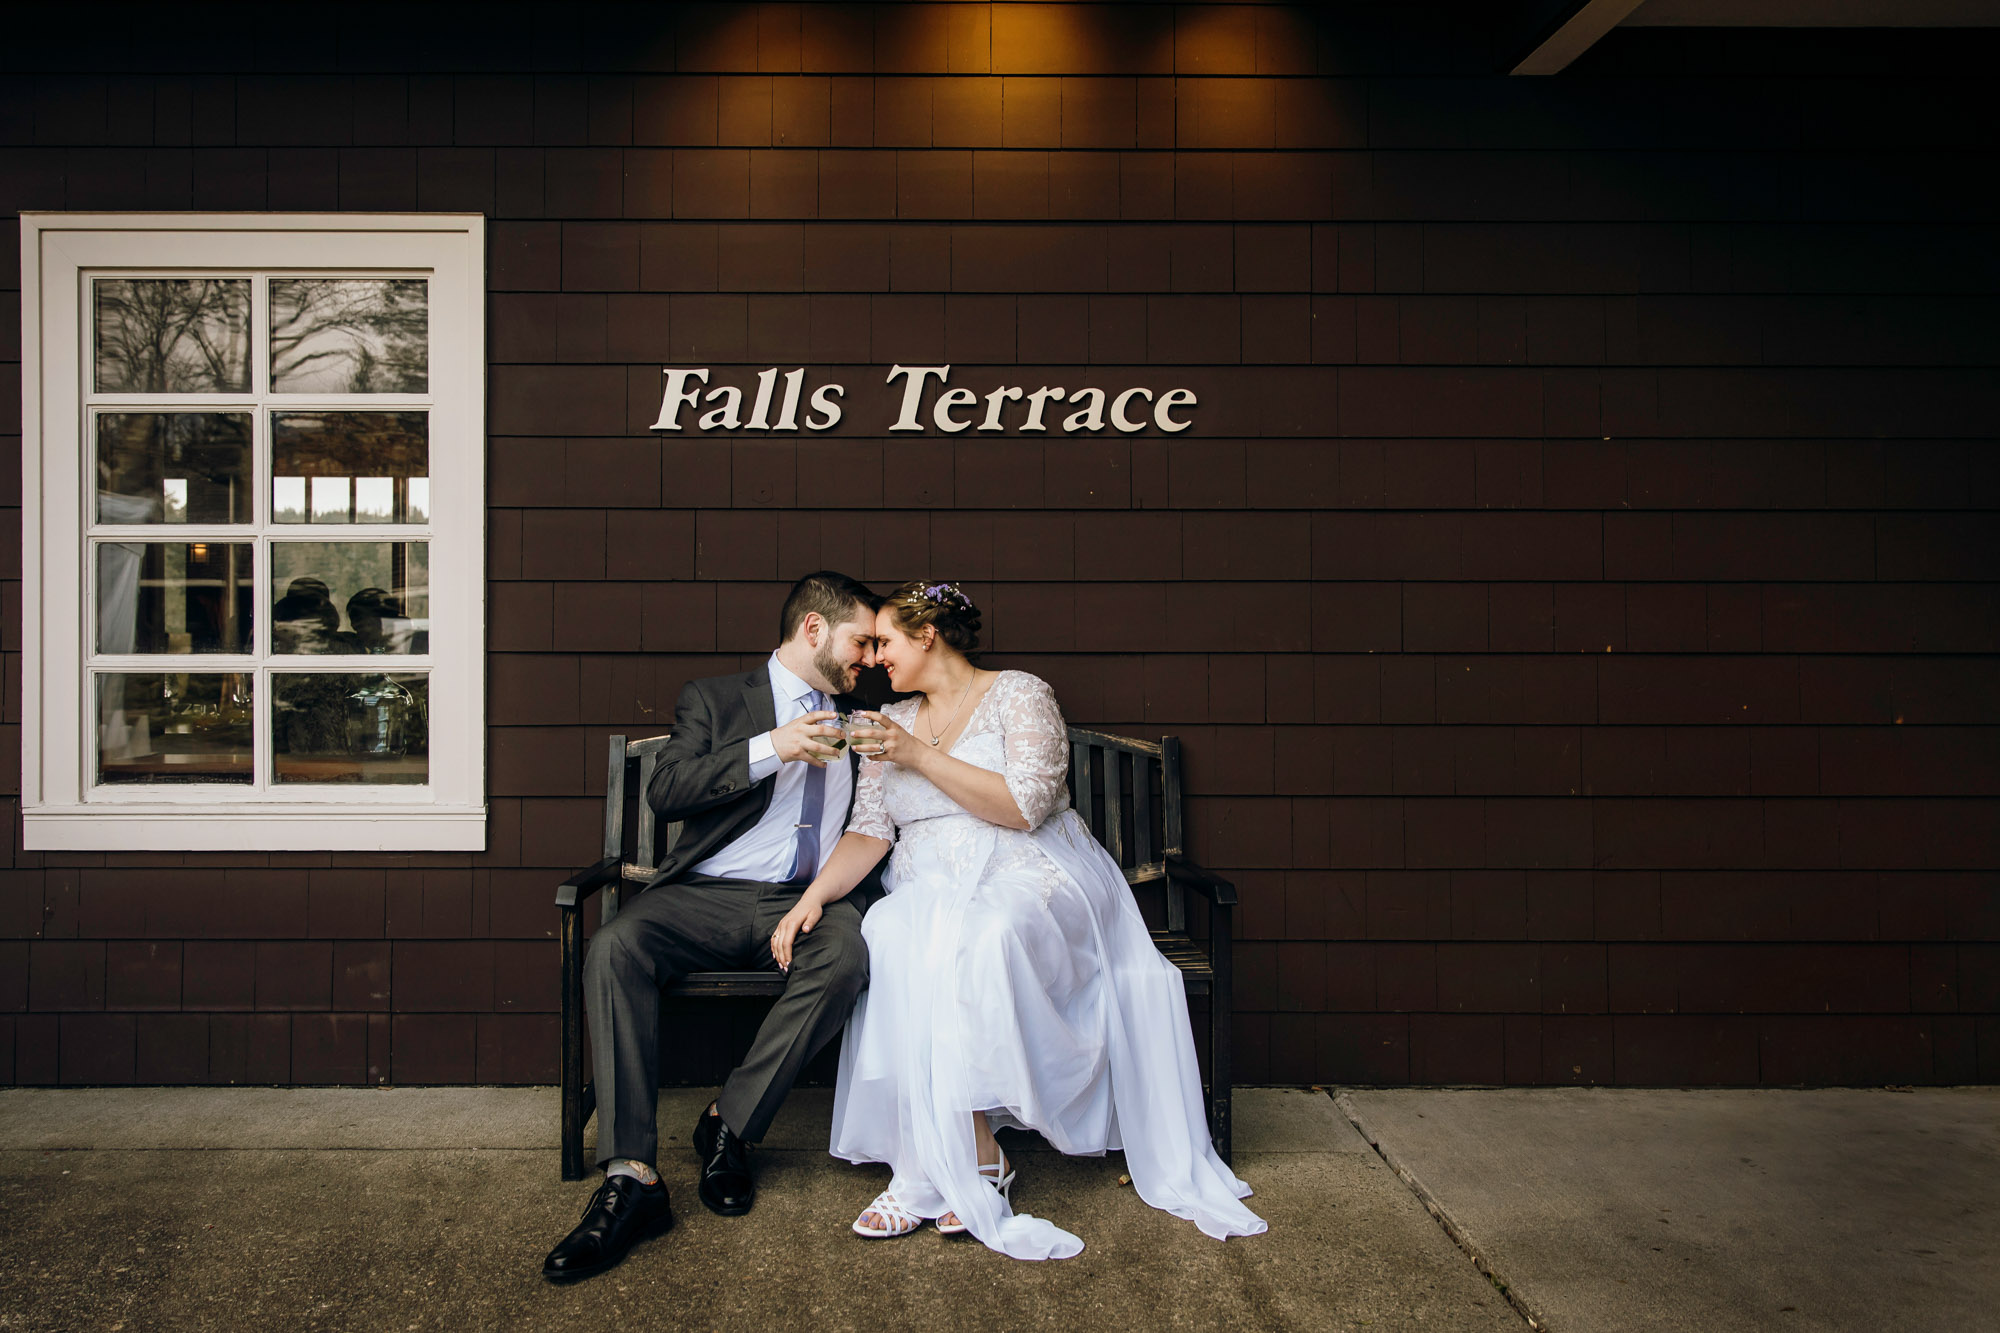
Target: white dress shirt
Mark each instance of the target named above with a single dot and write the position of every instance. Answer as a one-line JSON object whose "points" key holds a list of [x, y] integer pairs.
{"points": [[766, 850]]}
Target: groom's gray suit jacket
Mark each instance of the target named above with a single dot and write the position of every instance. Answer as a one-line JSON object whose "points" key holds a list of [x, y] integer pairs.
{"points": [[703, 779]]}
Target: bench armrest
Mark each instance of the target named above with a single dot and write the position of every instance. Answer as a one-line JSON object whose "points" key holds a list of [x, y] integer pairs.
{"points": [[1207, 883], [586, 882]]}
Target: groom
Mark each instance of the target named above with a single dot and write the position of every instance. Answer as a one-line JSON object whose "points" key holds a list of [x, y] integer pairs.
{"points": [[748, 773]]}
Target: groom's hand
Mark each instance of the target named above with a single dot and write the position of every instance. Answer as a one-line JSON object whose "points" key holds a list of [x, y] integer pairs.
{"points": [[803, 738]]}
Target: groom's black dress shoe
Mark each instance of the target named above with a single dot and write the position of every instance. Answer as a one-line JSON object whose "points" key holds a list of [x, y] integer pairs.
{"points": [[726, 1186], [621, 1213]]}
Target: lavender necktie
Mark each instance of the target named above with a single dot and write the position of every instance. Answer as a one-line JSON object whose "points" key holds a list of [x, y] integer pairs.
{"points": [[806, 864]]}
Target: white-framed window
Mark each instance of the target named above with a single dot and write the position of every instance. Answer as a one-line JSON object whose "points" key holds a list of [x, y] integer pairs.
{"points": [[253, 502]]}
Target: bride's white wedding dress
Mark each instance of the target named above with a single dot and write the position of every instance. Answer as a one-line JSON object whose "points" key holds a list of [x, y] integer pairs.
{"points": [[1011, 971]]}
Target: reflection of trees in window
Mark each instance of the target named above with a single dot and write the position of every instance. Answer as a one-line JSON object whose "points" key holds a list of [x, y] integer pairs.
{"points": [[172, 335], [349, 335]]}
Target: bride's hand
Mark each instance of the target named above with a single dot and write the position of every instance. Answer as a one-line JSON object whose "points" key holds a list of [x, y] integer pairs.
{"points": [[880, 738], [805, 914]]}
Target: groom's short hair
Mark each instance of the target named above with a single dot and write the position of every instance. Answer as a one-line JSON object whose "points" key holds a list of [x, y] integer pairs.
{"points": [[835, 597]]}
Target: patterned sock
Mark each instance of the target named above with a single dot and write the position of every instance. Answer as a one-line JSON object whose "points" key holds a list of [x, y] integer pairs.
{"points": [[639, 1171]]}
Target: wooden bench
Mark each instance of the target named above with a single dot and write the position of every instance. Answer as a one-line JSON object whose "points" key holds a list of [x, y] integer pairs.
{"points": [[1127, 791]]}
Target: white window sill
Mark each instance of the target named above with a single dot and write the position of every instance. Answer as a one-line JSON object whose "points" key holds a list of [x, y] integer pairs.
{"points": [[170, 828]]}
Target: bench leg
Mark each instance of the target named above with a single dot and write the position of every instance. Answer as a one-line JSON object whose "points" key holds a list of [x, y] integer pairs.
{"points": [[576, 1097], [1220, 1025]]}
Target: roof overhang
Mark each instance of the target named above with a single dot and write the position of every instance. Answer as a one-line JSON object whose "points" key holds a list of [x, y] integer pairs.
{"points": [[1580, 25]]}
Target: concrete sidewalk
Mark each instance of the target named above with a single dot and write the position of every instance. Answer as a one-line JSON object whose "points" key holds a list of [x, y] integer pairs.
{"points": [[1838, 1208], [421, 1209], [431, 1209]]}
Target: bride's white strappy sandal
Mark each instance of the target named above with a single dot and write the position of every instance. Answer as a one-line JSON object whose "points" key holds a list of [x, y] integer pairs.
{"points": [[997, 1174], [901, 1221]]}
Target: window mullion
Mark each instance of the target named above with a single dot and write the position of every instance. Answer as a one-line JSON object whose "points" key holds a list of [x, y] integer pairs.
{"points": [[260, 696], [261, 745], [260, 336]]}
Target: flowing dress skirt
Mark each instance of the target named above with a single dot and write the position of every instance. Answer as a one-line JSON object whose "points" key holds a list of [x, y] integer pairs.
{"points": [[1011, 972]]}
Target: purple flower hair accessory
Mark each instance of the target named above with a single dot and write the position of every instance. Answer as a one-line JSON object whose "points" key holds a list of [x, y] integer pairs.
{"points": [[947, 594]]}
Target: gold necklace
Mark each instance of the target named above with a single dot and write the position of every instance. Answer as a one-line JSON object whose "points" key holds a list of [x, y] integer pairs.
{"points": [[937, 734]]}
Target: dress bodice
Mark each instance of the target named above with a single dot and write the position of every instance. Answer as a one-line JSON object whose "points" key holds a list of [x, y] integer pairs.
{"points": [[1016, 730]]}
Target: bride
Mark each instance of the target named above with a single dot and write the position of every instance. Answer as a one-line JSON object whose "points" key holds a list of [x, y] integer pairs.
{"points": [[1012, 980]]}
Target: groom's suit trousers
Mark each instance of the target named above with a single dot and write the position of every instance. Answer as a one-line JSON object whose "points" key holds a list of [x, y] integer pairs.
{"points": [[701, 923]]}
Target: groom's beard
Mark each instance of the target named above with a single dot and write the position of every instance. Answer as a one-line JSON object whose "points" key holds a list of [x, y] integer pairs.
{"points": [[833, 671]]}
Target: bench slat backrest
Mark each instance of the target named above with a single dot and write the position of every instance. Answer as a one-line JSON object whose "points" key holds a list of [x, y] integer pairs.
{"points": [[640, 851], [1127, 791]]}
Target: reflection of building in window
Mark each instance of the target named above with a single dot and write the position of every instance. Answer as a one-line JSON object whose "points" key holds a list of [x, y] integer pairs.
{"points": [[350, 467], [183, 467], [174, 597]]}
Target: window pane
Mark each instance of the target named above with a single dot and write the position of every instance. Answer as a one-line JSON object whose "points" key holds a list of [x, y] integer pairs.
{"points": [[155, 727], [351, 597], [350, 467], [374, 499], [372, 729], [172, 335], [173, 467], [174, 597], [288, 499], [332, 500], [350, 335]]}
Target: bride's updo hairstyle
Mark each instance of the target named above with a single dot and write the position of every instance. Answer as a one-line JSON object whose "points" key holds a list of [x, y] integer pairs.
{"points": [[944, 606]]}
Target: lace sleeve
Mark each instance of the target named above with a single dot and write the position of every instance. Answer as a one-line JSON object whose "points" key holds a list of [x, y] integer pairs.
{"points": [[1037, 745], [871, 814]]}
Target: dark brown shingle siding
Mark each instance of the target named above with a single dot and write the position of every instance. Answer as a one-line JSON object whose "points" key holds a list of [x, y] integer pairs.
{"points": [[1576, 595]]}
